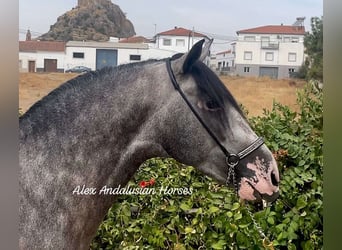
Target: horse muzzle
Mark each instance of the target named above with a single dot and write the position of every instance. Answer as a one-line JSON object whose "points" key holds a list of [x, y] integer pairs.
{"points": [[263, 184]]}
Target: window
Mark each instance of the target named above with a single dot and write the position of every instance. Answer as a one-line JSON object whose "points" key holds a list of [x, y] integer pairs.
{"points": [[166, 42], [292, 57], [249, 38], [78, 55], [287, 39], [291, 70], [265, 41], [248, 55], [180, 42], [135, 57], [269, 56], [246, 69], [295, 39]]}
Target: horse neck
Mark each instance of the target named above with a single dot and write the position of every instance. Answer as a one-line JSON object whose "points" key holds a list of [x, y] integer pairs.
{"points": [[91, 139]]}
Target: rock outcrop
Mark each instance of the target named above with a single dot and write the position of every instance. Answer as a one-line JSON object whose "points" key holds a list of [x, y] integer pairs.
{"points": [[91, 20]]}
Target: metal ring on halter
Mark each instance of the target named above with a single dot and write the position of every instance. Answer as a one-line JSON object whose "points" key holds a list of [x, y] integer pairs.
{"points": [[232, 160]]}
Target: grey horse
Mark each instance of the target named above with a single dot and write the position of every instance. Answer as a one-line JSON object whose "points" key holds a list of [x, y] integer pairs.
{"points": [[98, 128]]}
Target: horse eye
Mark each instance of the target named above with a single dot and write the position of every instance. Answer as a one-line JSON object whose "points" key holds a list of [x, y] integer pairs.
{"points": [[212, 105]]}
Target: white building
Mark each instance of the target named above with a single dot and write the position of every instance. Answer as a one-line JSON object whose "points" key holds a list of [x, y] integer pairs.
{"points": [[39, 56], [273, 50], [96, 55], [223, 62], [178, 40], [46, 56]]}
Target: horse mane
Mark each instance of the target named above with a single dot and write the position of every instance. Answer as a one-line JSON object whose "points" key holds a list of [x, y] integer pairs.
{"points": [[211, 86], [77, 84]]}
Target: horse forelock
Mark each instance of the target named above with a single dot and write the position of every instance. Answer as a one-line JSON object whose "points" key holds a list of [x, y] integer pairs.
{"points": [[212, 87]]}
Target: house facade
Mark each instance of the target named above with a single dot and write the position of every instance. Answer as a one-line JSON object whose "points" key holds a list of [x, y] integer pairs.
{"points": [[97, 55], [223, 62], [178, 40], [47, 56], [41, 56], [276, 51]]}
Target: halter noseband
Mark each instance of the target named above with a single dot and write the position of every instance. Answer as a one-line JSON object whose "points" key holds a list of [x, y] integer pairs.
{"points": [[232, 160]]}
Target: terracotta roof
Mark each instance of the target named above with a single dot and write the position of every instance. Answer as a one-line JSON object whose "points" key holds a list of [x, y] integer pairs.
{"points": [[134, 39], [224, 52], [33, 46], [180, 32], [275, 29]]}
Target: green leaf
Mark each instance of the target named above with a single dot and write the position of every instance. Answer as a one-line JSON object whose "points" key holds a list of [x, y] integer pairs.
{"points": [[213, 210], [199, 211], [243, 225], [301, 203], [179, 246], [270, 220], [185, 207], [237, 216], [229, 214], [218, 245], [235, 206], [301, 163], [189, 230]]}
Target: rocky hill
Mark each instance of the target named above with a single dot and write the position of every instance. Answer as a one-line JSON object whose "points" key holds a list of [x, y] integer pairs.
{"points": [[91, 20]]}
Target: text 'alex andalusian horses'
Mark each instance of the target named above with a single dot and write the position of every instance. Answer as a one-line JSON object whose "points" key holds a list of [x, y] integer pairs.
{"points": [[98, 128]]}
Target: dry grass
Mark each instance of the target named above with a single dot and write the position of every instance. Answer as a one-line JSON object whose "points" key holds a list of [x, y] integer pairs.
{"points": [[34, 86], [254, 93]]}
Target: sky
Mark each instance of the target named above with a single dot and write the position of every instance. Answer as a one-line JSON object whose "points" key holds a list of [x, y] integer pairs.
{"points": [[218, 18]]}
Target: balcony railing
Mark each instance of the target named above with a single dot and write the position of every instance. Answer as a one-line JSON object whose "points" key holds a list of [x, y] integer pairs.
{"points": [[269, 45]]}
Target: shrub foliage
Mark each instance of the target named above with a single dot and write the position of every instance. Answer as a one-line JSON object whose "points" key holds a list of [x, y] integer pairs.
{"points": [[209, 216]]}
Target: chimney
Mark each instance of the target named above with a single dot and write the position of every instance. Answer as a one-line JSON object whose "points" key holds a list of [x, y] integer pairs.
{"points": [[28, 35]]}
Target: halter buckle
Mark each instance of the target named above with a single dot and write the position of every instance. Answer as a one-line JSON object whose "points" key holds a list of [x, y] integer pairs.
{"points": [[232, 160]]}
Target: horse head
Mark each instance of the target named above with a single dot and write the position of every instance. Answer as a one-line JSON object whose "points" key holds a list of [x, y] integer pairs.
{"points": [[216, 130]]}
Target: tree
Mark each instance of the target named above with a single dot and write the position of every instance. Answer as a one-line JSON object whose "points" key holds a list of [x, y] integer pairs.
{"points": [[313, 43]]}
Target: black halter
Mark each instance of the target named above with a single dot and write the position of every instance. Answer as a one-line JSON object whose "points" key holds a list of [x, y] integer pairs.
{"points": [[231, 159]]}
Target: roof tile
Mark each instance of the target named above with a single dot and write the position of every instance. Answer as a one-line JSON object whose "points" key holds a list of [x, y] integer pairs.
{"points": [[134, 39], [33, 46], [178, 31], [275, 29], [224, 52]]}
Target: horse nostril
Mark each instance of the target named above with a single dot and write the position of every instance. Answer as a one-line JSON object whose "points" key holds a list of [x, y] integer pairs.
{"points": [[274, 179]]}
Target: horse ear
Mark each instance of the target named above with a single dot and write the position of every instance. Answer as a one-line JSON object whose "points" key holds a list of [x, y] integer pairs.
{"points": [[193, 55], [206, 50], [197, 52]]}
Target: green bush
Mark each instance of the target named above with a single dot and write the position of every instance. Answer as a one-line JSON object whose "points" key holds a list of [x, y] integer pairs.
{"points": [[210, 216]]}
